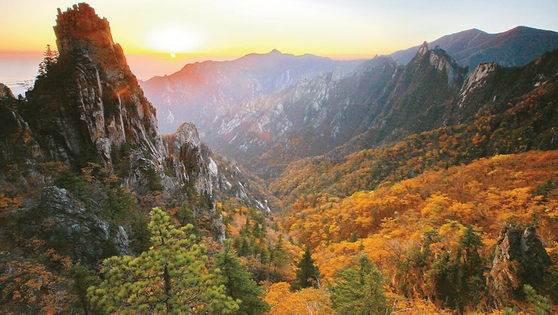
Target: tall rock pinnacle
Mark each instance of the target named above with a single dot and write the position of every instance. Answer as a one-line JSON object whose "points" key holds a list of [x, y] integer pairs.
{"points": [[90, 102]]}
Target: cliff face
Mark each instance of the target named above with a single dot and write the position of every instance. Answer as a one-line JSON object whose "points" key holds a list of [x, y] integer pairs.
{"points": [[88, 107], [89, 102]]}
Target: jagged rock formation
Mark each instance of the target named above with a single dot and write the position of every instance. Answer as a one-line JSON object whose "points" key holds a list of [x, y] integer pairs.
{"points": [[90, 102], [5, 92], [520, 258], [88, 107], [378, 103]]}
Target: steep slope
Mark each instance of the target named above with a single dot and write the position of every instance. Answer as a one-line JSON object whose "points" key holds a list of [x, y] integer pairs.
{"points": [[310, 117], [200, 91], [523, 116], [515, 47], [89, 102], [380, 102], [89, 107]]}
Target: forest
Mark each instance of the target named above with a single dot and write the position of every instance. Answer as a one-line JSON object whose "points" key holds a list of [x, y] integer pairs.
{"points": [[414, 227], [100, 214]]}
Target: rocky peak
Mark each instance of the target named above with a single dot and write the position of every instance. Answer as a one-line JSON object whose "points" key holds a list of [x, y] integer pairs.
{"points": [[520, 258], [6, 93], [80, 28], [423, 49], [187, 133], [477, 79], [103, 106], [440, 60]]}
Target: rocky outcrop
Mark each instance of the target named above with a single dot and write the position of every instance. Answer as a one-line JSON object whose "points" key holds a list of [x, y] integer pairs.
{"points": [[89, 103], [88, 107], [17, 141], [520, 258], [476, 80], [73, 230], [5, 92]]}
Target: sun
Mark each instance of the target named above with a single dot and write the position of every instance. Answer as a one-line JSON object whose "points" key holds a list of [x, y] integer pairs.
{"points": [[173, 40]]}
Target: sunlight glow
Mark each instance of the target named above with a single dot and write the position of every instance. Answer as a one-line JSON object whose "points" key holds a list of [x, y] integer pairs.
{"points": [[173, 40]]}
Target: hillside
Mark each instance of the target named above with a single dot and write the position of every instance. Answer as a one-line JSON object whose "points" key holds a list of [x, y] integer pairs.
{"points": [[520, 124], [379, 104]]}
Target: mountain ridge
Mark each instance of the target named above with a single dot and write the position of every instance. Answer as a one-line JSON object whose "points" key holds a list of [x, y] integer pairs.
{"points": [[471, 47], [200, 90]]}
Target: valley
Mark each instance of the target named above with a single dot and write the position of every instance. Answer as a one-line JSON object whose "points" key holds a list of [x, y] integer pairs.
{"points": [[420, 182]]}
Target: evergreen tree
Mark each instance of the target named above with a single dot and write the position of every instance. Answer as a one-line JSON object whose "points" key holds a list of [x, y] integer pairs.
{"points": [[171, 277], [307, 274], [277, 254], [50, 57], [82, 280], [540, 304], [240, 286], [458, 276], [359, 290]]}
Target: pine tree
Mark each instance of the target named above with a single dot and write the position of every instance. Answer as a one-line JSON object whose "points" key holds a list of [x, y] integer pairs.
{"points": [[277, 254], [49, 59], [359, 290], [307, 274], [240, 286], [457, 277], [539, 303], [171, 277]]}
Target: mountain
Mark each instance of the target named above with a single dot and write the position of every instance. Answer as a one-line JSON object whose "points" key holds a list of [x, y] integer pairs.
{"points": [[314, 117], [200, 91], [86, 142], [280, 121], [437, 179], [310, 117], [486, 172], [469, 48], [497, 110], [378, 103]]}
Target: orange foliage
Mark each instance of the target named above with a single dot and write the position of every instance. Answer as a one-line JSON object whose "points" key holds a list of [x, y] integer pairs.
{"points": [[385, 223], [306, 301]]}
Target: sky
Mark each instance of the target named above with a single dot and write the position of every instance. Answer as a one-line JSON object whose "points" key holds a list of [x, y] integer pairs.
{"points": [[161, 36]]}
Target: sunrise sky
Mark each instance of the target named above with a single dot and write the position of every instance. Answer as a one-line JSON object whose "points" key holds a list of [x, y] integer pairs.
{"points": [[195, 30]]}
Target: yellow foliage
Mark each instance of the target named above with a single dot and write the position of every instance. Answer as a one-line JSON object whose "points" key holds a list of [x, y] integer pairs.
{"points": [[303, 302]]}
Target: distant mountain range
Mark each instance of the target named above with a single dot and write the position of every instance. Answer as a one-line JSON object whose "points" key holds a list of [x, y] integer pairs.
{"points": [[270, 109], [380, 102], [515, 47], [208, 92], [200, 91]]}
